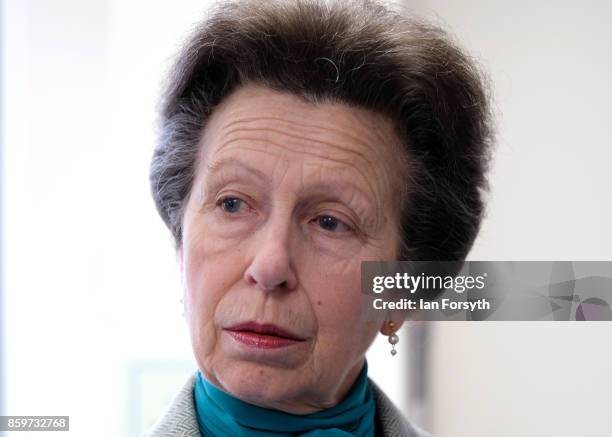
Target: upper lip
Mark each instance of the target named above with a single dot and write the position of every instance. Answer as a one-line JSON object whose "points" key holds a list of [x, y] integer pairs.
{"points": [[265, 328]]}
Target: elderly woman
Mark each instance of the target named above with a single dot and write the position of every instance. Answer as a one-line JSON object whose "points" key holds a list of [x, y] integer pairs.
{"points": [[299, 138]]}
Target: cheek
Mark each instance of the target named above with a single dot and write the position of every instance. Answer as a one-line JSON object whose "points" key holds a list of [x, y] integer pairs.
{"points": [[210, 265], [208, 274], [200, 285], [335, 295]]}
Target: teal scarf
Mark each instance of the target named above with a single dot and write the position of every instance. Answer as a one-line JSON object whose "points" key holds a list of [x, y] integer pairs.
{"points": [[221, 414]]}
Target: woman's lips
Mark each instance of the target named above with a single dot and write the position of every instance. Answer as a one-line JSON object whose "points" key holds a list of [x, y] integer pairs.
{"points": [[261, 341], [262, 336]]}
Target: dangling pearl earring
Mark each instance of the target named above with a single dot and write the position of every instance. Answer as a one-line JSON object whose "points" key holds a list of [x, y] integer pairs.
{"points": [[393, 339]]}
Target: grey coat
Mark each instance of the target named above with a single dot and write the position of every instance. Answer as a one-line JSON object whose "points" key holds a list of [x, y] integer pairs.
{"points": [[180, 418]]}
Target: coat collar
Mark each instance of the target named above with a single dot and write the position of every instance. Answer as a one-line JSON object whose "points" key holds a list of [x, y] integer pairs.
{"points": [[180, 420]]}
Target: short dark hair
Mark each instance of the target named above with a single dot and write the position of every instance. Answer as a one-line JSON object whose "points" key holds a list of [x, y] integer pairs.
{"points": [[355, 52]]}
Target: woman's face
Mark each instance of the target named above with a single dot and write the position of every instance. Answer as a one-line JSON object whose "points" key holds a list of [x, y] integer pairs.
{"points": [[287, 200]]}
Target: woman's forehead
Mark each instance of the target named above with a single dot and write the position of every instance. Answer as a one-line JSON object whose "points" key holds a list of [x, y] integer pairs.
{"points": [[269, 128]]}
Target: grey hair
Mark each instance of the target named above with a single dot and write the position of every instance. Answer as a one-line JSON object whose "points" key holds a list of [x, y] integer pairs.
{"points": [[356, 52]]}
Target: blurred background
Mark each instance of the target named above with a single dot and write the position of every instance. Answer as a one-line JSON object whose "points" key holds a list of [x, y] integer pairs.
{"points": [[91, 322]]}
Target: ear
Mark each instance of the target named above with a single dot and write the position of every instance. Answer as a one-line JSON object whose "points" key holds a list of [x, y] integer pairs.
{"points": [[389, 327]]}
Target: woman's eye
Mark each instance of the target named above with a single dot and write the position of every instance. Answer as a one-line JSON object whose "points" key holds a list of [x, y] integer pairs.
{"points": [[231, 205], [331, 224]]}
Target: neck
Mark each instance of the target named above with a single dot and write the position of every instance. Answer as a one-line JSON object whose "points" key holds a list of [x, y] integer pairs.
{"points": [[220, 412]]}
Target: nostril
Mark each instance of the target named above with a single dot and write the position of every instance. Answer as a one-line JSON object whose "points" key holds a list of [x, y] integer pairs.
{"points": [[272, 287], [249, 279], [265, 285]]}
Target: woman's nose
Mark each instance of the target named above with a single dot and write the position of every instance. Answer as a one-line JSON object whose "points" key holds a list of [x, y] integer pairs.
{"points": [[271, 267]]}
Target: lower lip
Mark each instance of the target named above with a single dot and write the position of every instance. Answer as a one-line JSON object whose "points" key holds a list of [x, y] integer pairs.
{"points": [[261, 341]]}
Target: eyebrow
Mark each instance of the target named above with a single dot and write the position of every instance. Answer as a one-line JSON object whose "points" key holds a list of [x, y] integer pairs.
{"points": [[338, 187], [213, 168], [335, 187]]}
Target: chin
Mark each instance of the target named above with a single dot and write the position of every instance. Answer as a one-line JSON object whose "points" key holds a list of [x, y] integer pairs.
{"points": [[261, 384]]}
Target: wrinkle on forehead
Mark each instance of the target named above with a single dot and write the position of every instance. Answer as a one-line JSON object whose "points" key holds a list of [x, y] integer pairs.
{"points": [[315, 131], [346, 124]]}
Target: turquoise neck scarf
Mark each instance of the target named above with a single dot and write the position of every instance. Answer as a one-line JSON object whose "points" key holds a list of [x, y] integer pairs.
{"points": [[221, 414]]}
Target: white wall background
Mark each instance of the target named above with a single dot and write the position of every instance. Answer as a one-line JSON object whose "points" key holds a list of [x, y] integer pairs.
{"points": [[91, 300], [551, 64], [91, 291], [92, 319]]}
